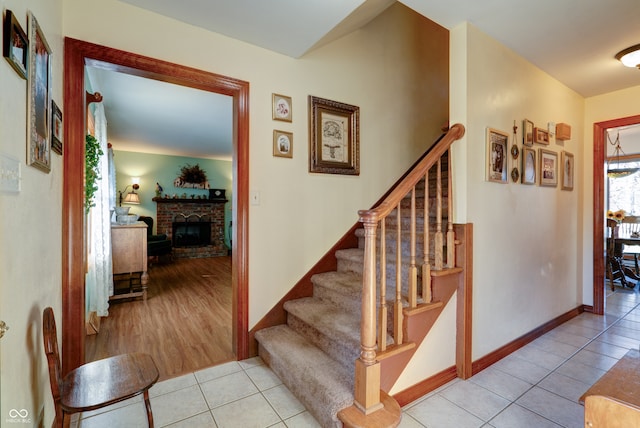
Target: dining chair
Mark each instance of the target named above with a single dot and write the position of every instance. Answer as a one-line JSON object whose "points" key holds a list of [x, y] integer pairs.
{"points": [[96, 384], [615, 268], [630, 227]]}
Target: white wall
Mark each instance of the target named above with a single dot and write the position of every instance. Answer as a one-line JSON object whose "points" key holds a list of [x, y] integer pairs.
{"points": [[30, 232], [527, 257]]}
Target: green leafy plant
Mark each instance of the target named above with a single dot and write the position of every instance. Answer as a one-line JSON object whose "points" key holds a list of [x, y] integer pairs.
{"points": [[192, 174], [92, 153]]}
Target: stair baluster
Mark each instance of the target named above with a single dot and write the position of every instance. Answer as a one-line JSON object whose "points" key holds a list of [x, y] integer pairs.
{"points": [[451, 254], [382, 321]]}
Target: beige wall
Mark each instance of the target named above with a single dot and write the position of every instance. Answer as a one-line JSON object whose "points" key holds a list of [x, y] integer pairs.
{"points": [[30, 260], [527, 266], [614, 105], [528, 259]]}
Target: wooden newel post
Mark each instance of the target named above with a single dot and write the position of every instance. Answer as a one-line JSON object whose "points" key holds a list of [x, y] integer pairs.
{"points": [[367, 381]]}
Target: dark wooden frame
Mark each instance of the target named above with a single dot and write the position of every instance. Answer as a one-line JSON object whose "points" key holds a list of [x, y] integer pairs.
{"points": [[567, 158], [501, 139], [38, 109], [599, 223], [77, 54], [546, 182], [14, 34], [321, 109], [57, 128], [527, 133]]}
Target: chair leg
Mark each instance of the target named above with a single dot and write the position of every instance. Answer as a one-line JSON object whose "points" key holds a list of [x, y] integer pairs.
{"points": [[147, 404]]}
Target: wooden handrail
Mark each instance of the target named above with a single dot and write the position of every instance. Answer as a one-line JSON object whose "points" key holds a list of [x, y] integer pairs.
{"points": [[389, 203], [373, 336]]}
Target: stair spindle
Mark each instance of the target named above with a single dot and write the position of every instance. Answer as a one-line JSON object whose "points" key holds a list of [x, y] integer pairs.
{"points": [[413, 271]]}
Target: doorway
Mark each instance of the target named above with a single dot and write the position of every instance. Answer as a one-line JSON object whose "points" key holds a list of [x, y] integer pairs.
{"points": [[78, 54], [599, 192]]}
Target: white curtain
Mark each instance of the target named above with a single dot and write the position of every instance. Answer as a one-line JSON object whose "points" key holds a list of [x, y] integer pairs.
{"points": [[99, 280]]}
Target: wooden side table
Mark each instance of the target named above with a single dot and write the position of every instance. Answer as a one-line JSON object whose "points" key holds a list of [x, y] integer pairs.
{"points": [[129, 253]]}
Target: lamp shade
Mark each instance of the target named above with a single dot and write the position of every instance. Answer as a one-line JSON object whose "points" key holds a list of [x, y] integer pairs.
{"points": [[630, 57], [132, 198]]}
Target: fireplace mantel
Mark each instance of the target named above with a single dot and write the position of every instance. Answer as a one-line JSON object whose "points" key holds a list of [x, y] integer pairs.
{"points": [[189, 201]]}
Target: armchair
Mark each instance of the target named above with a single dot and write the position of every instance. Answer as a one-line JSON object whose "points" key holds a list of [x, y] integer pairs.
{"points": [[157, 245]]}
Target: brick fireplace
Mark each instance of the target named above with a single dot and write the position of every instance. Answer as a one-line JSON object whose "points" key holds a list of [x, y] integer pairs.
{"points": [[185, 220]]}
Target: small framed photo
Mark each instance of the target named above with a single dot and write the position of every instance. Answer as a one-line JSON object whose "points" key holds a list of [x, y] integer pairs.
{"points": [[527, 133], [334, 137], [497, 149], [281, 107], [566, 160], [282, 144], [528, 165], [548, 168], [38, 98], [16, 44], [540, 136], [56, 128]]}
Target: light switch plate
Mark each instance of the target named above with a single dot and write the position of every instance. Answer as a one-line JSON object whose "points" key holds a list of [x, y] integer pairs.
{"points": [[551, 127], [10, 177]]}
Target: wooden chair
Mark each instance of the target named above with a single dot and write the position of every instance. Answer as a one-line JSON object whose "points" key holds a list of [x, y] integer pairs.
{"points": [[615, 267], [630, 226], [97, 384]]}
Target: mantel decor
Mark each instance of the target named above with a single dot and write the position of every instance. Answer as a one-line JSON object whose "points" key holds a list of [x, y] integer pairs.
{"points": [[38, 98], [192, 177], [334, 137]]}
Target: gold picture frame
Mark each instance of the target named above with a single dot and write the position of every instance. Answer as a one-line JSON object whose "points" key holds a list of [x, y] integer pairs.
{"points": [[334, 137], [540, 136], [527, 133], [282, 144], [497, 158], [548, 168], [568, 166], [38, 98], [528, 165], [281, 108]]}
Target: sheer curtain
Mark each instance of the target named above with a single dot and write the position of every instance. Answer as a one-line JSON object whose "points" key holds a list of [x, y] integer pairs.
{"points": [[99, 279]]}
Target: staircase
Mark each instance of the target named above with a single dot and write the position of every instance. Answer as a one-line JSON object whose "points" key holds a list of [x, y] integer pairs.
{"points": [[318, 350]]}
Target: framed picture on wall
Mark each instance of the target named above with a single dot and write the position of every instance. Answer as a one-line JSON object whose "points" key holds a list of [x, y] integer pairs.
{"points": [[496, 163], [334, 137], [282, 144], [15, 44], [281, 107], [527, 133], [540, 136], [56, 128], [528, 166], [566, 160], [548, 168], [38, 98]]}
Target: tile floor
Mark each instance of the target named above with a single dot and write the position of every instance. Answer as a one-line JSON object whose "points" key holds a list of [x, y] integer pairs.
{"points": [[536, 386]]}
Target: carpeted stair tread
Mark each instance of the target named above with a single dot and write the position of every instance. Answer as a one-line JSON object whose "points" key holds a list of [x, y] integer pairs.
{"points": [[319, 382], [343, 289], [329, 320]]}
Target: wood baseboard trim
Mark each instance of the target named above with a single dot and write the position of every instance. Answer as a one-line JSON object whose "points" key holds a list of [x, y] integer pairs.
{"points": [[428, 385], [411, 394], [503, 351], [587, 308]]}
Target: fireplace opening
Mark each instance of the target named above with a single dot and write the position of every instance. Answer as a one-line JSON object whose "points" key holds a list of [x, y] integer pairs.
{"points": [[191, 231]]}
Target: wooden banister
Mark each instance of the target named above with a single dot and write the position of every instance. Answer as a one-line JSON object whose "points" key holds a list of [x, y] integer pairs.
{"points": [[374, 335]]}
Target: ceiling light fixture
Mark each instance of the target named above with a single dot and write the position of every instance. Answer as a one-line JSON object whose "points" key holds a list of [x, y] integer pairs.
{"points": [[618, 172], [630, 57]]}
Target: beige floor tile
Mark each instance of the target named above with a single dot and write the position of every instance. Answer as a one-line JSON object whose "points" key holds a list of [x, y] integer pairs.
{"points": [[217, 371], [553, 407], [501, 383], [263, 377], [564, 386], [173, 384], [178, 405], [475, 399], [203, 420], [517, 416], [250, 412], [283, 401], [438, 412], [228, 388], [302, 420]]}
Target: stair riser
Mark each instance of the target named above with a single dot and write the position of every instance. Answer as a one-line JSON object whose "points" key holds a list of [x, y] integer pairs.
{"points": [[350, 304], [344, 353]]}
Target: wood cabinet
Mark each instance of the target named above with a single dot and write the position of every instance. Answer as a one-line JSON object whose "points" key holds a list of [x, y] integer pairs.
{"points": [[129, 252]]}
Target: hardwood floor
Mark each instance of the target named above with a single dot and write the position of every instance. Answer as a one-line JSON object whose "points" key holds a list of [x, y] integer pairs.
{"points": [[185, 324]]}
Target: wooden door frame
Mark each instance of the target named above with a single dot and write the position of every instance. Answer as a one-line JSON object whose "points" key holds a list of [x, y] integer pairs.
{"points": [[599, 156], [77, 54]]}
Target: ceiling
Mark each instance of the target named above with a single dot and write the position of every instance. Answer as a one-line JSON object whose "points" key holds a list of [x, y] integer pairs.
{"points": [[574, 41]]}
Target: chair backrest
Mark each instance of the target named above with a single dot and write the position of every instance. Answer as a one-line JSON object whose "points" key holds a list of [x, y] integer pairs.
{"points": [[50, 337], [149, 222], [630, 224]]}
